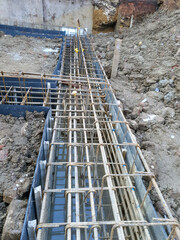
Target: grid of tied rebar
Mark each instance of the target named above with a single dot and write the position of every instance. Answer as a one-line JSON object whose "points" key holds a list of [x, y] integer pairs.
{"points": [[98, 184], [90, 189]]}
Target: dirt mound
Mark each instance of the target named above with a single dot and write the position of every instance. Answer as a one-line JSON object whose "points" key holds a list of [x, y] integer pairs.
{"points": [[105, 15], [148, 86]]}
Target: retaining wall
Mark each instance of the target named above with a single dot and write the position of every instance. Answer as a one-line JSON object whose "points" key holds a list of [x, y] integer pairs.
{"points": [[51, 12]]}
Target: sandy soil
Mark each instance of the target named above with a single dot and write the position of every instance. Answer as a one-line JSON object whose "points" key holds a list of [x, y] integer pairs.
{"points": [[148, 85], [19, 147], [27, 54]]}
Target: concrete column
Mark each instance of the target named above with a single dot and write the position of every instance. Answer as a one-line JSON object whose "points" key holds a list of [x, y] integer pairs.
{"points": [[116, 57]]}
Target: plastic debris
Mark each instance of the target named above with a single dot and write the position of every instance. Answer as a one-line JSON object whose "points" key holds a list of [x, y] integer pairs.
{"points": [[74, 93]]}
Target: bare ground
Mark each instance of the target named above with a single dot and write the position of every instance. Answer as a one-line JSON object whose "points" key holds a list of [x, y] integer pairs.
{"points": [[148, 85], [19, 147], [27, 54]]}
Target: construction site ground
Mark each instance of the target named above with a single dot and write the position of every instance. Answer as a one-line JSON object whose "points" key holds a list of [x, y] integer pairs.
{"points": [[28, 54], [147, 85], [19, 147]]}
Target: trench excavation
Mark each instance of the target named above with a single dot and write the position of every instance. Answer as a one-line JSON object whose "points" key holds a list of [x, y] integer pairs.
{"points": [[93, 182]]}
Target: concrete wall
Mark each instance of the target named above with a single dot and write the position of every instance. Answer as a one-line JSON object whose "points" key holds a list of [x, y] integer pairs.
{"points": [[29, 11], [66, 14], [51, 12]]}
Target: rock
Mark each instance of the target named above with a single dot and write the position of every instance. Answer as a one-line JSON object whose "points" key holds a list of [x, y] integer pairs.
{"points": [[178, 86], [168, 97], [177, 105], [129, 66], [109, 55], [107, 67], [163, 83], [102, 55], [9, 195], [143, 47], [3, 155], [136, 112], [25, 185], [160, 208], [168, 112], [133, 124], [24, 129], [14, 222], [144, 104], [148, 145], [148, 120], [169, 63], [149, 81], [17, 190], [105, 14], [155, 95]]}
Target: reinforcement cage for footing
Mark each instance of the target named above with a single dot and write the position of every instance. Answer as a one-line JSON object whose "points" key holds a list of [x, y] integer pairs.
{"points": [[28, 89], [98, 184]]}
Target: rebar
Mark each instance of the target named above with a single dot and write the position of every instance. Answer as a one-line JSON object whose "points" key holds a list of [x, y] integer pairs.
{"points": [[95, 165]]}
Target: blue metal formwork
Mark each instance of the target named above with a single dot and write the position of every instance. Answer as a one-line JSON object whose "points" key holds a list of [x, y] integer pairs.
{"points": [[20, 82], [20, 111], [58, 66], [38, 87], [31, 208], [31, 32]]}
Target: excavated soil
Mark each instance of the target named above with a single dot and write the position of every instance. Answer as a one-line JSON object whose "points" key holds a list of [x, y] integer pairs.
{"points": [[148, 85], [27, 54], [20, 140]]}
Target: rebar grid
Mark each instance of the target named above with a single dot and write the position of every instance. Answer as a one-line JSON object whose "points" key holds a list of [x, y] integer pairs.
{"points": [[91, 188], [101, 199]]}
